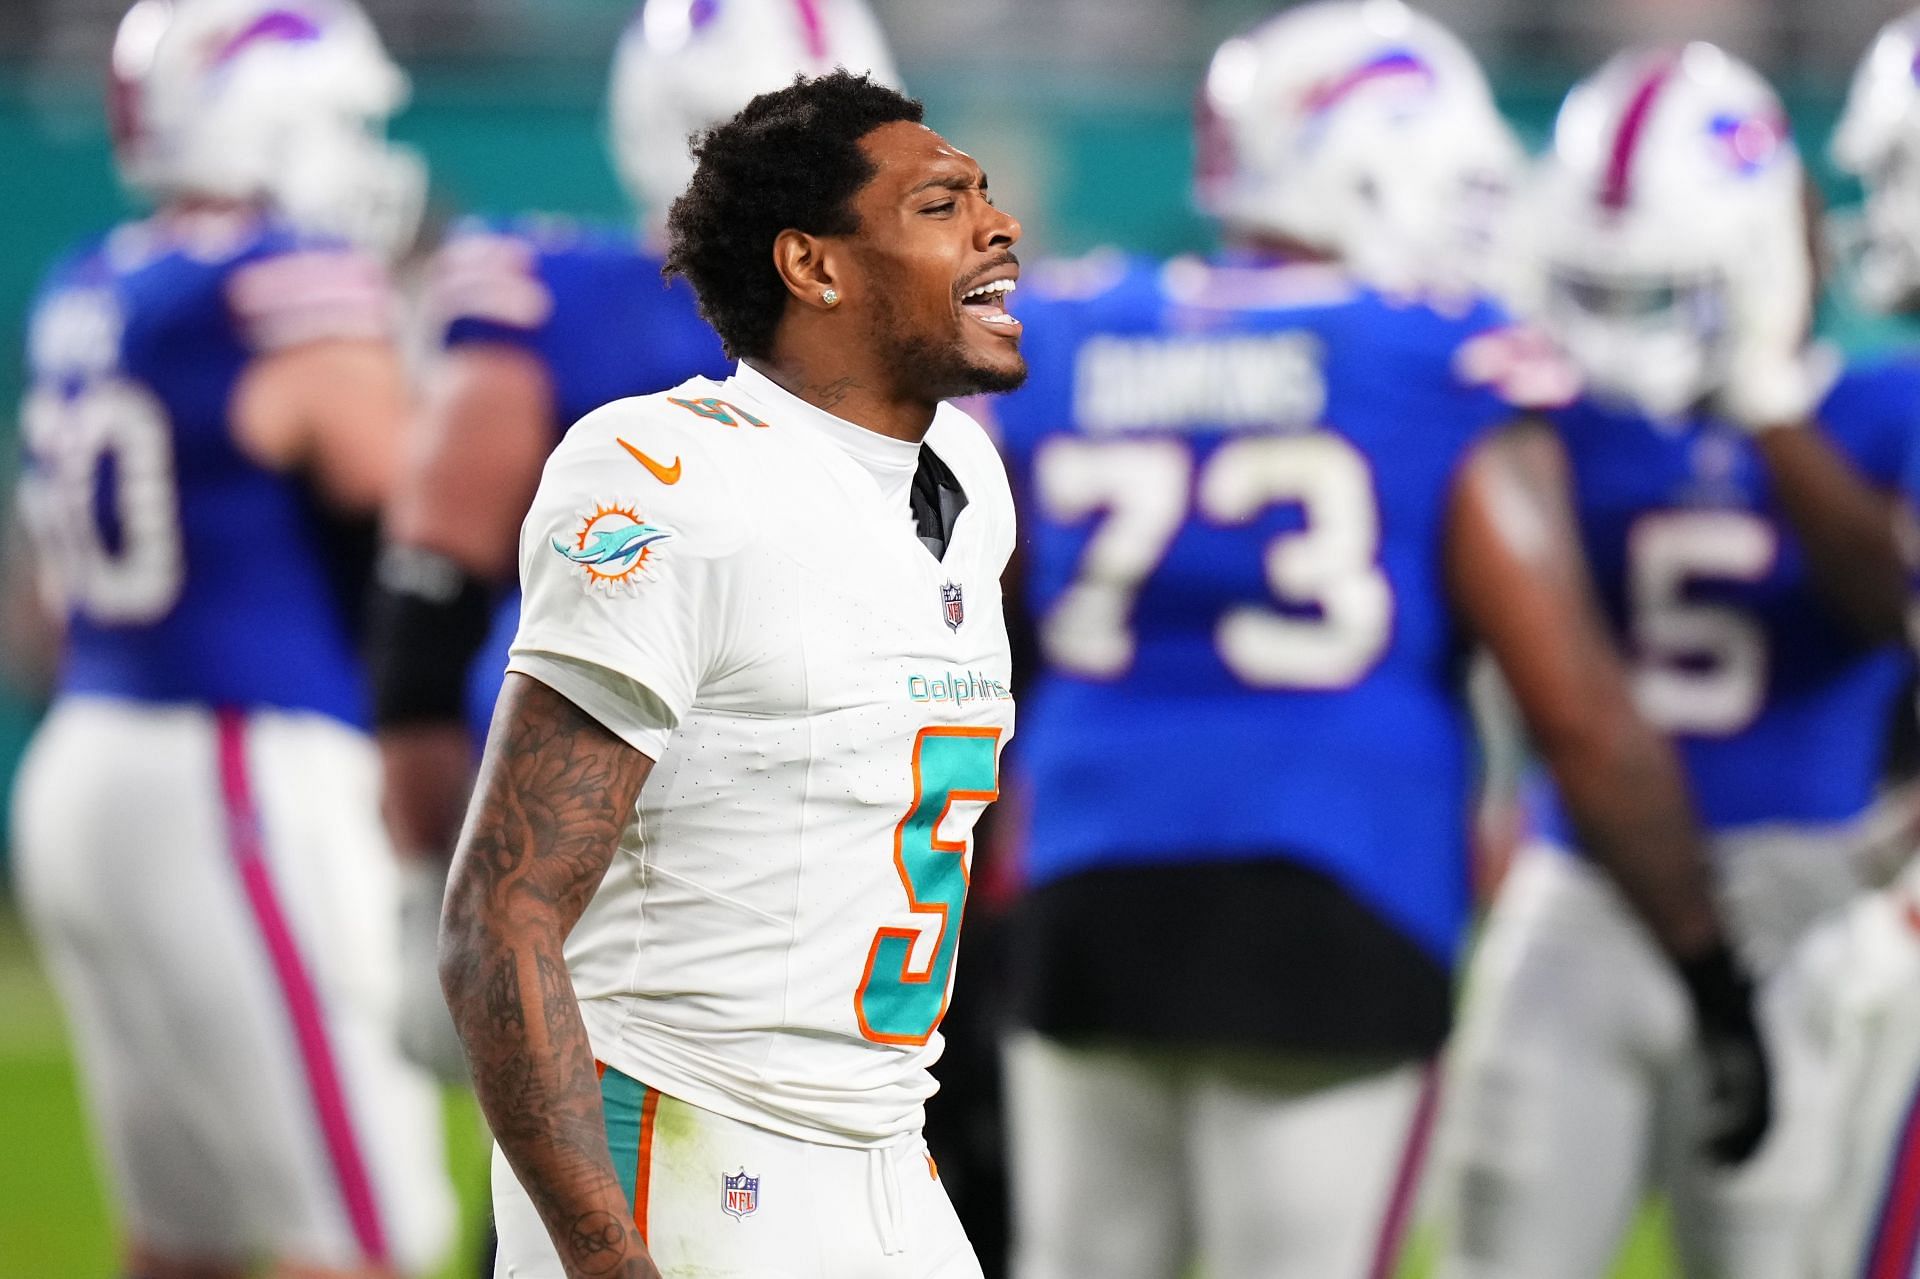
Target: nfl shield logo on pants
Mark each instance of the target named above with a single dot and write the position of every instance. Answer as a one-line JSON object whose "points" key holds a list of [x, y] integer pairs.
{"points": [[952, 607], [740, 1194]]}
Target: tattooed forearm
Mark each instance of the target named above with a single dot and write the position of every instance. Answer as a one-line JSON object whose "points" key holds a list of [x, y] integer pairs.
{"points": [[597, 1241], [556, 791], [501, 997], [556, 992]]}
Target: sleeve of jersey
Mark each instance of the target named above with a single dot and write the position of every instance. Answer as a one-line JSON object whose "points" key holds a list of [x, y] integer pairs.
{"points": [[1875, 419], [1513, 368], [488, 287], [310, 294], [624, 577]]}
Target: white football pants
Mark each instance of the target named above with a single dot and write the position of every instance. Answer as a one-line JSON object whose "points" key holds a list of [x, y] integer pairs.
{"points": [[1869, 961], [1573, 1085], [1127, 1166], [216, 902], [715, 1198]]}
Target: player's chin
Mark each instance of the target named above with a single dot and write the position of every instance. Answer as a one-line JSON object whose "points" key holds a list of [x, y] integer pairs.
{"points": [[1004, 370], [994, 362]]}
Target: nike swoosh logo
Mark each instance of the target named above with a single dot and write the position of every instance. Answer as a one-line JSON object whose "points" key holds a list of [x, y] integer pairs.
{"points": [[665, 474]]}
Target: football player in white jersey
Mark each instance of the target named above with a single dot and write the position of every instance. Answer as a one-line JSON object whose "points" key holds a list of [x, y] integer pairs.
{"points": [[540, 320], [700, 1014]]}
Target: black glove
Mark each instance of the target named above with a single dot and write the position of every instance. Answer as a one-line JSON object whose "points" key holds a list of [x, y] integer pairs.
{"points": [[1739, 1083]]}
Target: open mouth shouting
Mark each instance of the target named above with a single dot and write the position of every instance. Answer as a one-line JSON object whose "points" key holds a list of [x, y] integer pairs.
{"points": [[986, 301]]}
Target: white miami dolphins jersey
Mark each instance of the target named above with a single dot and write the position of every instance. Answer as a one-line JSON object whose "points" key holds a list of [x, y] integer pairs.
{"points": [[717, 575]]}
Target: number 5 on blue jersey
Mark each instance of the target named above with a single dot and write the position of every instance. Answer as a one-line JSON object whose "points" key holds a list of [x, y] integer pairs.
{"points": [[895, 1003]]}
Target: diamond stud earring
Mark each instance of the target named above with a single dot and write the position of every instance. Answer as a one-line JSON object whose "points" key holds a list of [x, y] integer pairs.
{"points": [[831, 297]]}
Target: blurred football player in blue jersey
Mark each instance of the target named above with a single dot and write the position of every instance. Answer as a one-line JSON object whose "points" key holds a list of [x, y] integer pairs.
{"points": [[1271, 500], [1733, 487], [542, 320], [214, 416]]}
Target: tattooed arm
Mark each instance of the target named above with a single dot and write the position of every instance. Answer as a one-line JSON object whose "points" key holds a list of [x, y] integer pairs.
{"points": [[555, 792]]}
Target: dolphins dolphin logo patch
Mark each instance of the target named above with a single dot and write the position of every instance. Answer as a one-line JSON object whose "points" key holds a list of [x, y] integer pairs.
{"points": [[614, 545]]}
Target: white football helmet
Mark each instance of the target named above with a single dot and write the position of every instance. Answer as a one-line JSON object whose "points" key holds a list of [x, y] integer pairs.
{"points": [[1364, 129], [283, 101], [1878, 141], [1671, 230], [684, 66]]}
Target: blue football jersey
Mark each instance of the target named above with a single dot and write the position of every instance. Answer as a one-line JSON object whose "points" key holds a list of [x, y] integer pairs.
{"points": [[1236, 481], [590, 304], [186, 571], [1780, 710]]}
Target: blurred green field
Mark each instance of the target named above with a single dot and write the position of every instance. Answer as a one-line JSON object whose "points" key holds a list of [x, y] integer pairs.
{"points": [[54, 1225]]}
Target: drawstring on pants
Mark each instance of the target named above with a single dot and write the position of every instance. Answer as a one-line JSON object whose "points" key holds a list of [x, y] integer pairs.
{"points": [[883, 1192]]}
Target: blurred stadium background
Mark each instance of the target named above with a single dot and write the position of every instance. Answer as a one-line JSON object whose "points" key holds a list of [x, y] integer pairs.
{"points": [[1078, 108]]}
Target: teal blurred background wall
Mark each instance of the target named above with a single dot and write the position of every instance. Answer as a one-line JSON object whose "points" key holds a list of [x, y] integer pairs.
{"points": [[1084, 160]]}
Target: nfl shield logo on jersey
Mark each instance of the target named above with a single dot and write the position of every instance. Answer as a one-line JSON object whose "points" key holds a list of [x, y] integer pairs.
{"points": [[740, 1194], [952, 607]]}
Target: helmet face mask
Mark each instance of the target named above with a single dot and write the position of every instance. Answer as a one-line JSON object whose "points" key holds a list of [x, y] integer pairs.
{"points": [[283, 102], [1878, 141], [1654, 342], [350, 182], [1884, 255]]}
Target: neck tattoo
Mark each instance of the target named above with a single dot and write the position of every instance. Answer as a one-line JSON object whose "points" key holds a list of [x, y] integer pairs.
{"points": [[831, 393]]}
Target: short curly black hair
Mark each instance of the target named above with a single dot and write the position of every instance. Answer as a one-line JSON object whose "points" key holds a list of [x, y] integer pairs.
{"points": [[791, 158]]}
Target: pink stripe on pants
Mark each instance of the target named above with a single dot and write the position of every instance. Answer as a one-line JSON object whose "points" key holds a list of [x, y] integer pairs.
{"points": [[246, 844], [1406, 1181]]}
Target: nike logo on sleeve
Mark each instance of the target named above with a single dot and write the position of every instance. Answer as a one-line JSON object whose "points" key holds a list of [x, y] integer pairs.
{"points": [[665, 474]]}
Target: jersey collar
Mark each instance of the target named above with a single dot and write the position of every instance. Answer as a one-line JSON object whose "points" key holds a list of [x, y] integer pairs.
{"points": [[880, 454]]}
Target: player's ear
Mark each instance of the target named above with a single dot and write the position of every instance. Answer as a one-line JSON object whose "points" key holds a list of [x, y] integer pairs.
{"points": [[807, 267]]}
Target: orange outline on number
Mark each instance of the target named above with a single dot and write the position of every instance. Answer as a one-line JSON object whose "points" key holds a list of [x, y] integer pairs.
{"points": [[907, 976]]}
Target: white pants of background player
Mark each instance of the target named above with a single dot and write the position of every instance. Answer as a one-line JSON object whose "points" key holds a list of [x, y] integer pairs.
{"points": [[215, 902], [1868, 1227], [810, 1211], [1127, 1166], [1574, 1087]]}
